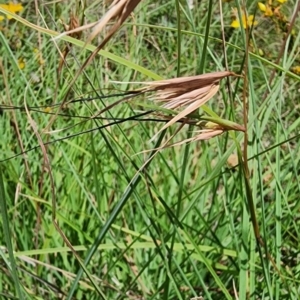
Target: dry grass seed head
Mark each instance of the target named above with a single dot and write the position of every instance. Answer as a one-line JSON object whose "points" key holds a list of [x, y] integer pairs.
{"points": [[192, 92], [182, 91]]}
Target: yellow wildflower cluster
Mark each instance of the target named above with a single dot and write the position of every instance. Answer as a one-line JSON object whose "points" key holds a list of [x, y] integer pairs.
{"points": [[266, 9], [11, 7], [247, 20], [270, 9]]}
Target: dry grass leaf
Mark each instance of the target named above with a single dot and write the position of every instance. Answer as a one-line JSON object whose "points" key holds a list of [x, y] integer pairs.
{"points": [[208, 130], [120, 10], [202, 135]]}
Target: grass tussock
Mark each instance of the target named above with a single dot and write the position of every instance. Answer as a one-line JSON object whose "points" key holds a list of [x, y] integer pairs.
{"points": [[96, 203]]}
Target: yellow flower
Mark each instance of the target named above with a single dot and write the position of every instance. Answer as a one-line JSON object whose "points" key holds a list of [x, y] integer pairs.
{"points": [[266, 9], [235, 24], [11, 7], [21, 63], [251, 21], [47, 109], [268, 12], [296, 70], [281, 1], [246, 22], [261, 6]]}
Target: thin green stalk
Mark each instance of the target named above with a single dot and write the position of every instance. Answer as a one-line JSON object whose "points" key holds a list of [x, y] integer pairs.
{"points": [[116, 211], [169, 279], [206, 37], [12, 268]]}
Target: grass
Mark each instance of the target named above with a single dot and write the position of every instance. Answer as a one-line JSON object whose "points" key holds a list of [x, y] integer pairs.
{"points": [[181, 226]]}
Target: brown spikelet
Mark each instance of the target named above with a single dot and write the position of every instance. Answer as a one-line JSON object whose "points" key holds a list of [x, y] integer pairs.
{"points": [[73, 25], [189, 92], [182, 91], [191, 82], [198, 102]]}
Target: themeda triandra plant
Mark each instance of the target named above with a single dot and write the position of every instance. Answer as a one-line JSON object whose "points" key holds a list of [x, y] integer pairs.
{"points": [[186, 94]]}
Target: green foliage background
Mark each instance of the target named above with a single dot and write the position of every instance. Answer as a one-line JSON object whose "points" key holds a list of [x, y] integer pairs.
{"points": [[181, 227]]}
